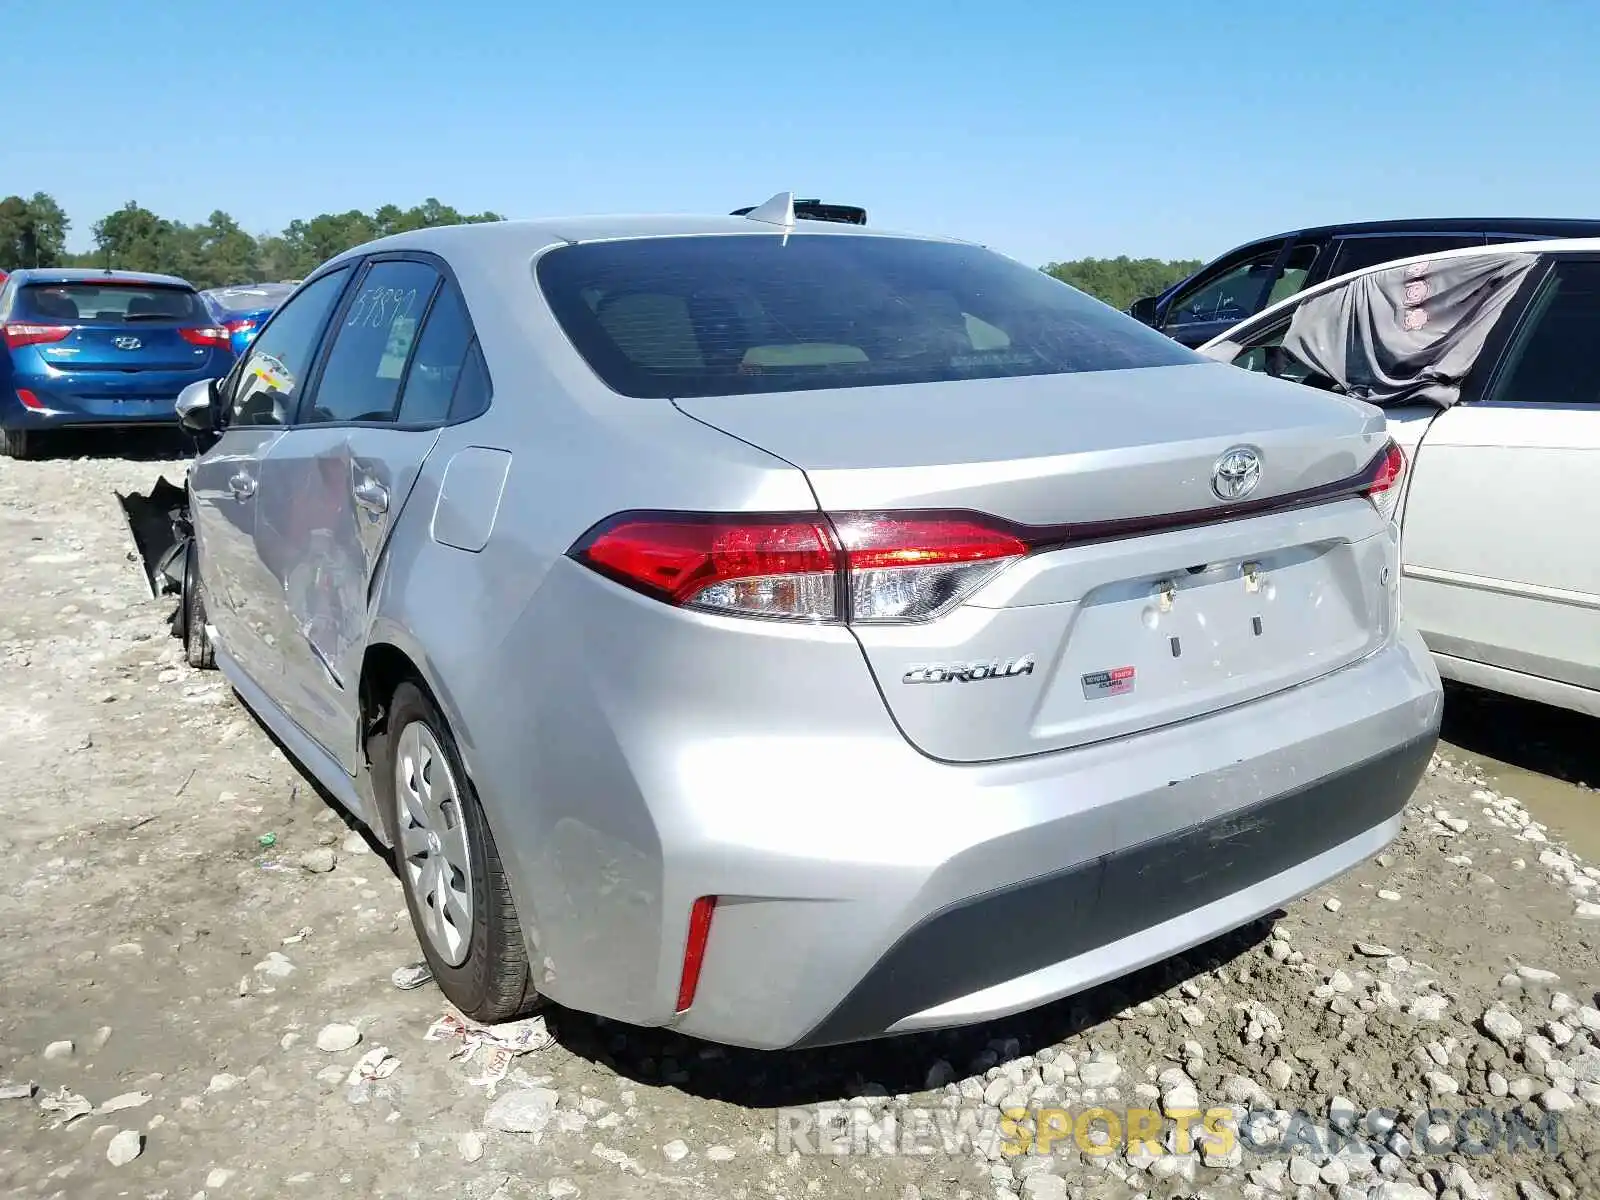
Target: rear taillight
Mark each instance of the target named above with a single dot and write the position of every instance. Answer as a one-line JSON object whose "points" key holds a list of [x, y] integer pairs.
{"points": [[856, 567], [18, 334], [1387, 472], [204, 335]]}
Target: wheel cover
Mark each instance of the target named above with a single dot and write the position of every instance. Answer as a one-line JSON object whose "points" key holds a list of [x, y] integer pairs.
{"points": [[435, 859]]}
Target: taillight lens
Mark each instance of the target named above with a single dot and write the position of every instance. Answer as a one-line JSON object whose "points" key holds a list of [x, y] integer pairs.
{"points": [[19, 334], [859, 567], [1384, 490], [204, 335], [911, 568]]}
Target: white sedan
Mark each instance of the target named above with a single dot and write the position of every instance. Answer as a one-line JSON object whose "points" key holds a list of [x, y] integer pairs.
{"points": [[1487, 362]]}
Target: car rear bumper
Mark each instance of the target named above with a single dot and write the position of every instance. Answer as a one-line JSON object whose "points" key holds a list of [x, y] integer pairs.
{"points": [[98, 398], [630, 766]]}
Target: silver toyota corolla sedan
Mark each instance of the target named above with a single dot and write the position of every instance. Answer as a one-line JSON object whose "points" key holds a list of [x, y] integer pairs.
{"points": [[795, 633]]}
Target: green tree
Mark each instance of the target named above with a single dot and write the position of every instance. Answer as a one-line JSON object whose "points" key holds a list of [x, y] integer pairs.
{"points": [[1122, 280], [134, 239], [33, 232]]}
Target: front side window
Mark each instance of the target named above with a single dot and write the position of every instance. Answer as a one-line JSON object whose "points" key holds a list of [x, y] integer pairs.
{"points": [[361, 381], [274, 372], [1292, 272], [1232, 295], [746, 313], [1554, 358]]}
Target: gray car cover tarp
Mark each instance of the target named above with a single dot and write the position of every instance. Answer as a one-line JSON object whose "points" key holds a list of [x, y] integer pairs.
{"points": [[1409, 334]]}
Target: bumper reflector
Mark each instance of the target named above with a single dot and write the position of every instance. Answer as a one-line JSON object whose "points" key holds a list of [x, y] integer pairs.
{"points": [[694, 951]]}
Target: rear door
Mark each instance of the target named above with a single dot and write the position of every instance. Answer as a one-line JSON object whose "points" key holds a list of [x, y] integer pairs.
{"points": [[224, 481], [1498, 533], [333, 487]]}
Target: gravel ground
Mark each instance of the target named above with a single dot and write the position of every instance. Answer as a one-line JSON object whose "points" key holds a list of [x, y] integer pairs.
{"points": [[185, 1000]]}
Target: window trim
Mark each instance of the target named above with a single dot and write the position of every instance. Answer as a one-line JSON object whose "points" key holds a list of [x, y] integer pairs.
{"points": [[335, 321], [1484, 381]]}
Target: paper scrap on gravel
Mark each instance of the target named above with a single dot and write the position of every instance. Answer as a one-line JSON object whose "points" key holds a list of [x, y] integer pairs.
{"points": [[493, 1047]]}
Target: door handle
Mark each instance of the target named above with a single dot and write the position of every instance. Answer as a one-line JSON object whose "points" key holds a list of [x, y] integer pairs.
{"points": [[242, 486], [372, 495]]}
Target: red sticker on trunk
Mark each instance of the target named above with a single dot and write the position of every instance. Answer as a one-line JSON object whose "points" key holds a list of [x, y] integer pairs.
{"points": [[1116, 682]]}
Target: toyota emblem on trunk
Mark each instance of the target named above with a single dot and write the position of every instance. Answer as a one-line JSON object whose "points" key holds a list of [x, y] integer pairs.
{"points": [[1236, 474], [126, 343]]}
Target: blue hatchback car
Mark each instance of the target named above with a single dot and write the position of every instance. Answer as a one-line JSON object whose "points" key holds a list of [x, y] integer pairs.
{"points": [[86, 347]]}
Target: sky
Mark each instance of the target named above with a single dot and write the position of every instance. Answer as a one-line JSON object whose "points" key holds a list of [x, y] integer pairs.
{"points": [[1047, 129]]}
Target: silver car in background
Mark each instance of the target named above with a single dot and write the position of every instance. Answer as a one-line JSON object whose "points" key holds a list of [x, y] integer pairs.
{"points": [[796, 634]]}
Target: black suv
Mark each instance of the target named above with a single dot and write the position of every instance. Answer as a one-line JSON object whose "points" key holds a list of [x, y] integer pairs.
{"points": [[1244, 281]]}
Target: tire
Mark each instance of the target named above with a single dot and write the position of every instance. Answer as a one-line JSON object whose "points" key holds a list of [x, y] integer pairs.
{"points": [[197, 647], [18, 443], [484, 970]]}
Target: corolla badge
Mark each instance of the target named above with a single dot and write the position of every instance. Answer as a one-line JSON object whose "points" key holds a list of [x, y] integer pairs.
{"points": [[970, 672], [1236, 473]]}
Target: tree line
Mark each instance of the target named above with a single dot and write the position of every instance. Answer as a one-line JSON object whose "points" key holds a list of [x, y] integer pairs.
{"points": [[33, 233], [217, 251]]}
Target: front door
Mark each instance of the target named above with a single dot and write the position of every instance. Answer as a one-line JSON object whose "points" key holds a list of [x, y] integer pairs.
{"points": [[333, 487], [1500, 519], [258, 402]]}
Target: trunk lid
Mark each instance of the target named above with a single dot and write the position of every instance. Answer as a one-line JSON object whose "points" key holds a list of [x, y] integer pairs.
{"points": [[1148, 620]]}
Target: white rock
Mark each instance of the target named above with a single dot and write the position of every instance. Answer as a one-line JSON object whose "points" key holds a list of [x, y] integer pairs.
{"points": [[1589, 1018], [1502, 1027], [1332, 904], [1428, 1008], [275, 966], [354, 843], [1555, 1100], [1388, 894], [675, 1151], [1558, 1032], [1280, 1073], [219, 1177], [125, 1100], [1341, 982], [719, 1154], [222, 1083], [318, 861], [1335, 1173], [1537, 975], [337, 1038], [1099, 1074], [470, 1145], [61, 1049], [1441, 1084], [1587, 910], [1044, 1187], [125, 1147], [559, 1188], [1498, 1087], [1373, 950], [527, 1110], [1589, 1093], [1399, 1189], [1303, 1172], [1457, 824]]}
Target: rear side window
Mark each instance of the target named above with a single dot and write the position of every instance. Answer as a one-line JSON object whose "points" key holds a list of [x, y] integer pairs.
{"points": [[436, 367], [361, 380], [746, 313], [110, 303], [1554, 360], [1356, 253]]}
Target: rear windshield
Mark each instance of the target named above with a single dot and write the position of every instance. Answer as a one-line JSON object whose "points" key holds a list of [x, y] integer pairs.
{"points": [[738, 314], [110, 303]]}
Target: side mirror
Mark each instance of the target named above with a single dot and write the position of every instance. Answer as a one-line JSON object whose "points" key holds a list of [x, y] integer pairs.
{"points": [[1144, 310], [196, 406]]}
